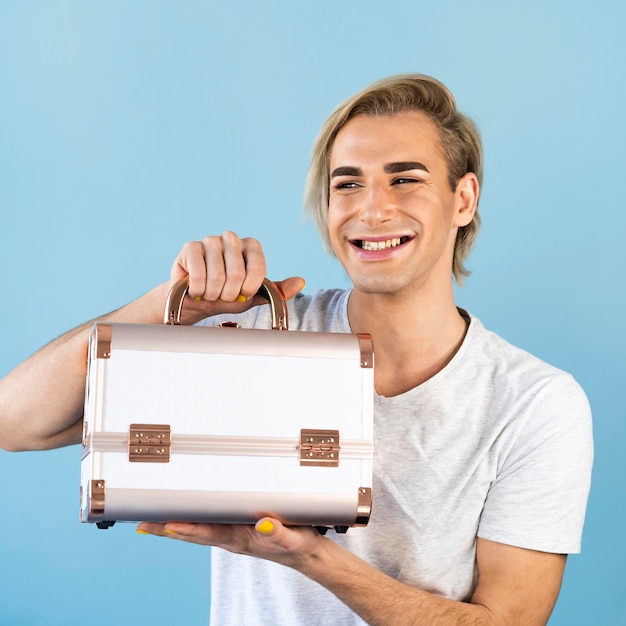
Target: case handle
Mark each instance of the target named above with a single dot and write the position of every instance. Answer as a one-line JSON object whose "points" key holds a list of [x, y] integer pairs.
{"points": [[176, 297]]}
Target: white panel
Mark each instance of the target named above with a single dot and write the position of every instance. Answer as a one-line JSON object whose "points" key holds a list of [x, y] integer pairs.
{"points": [[232, 394], [226, 473]]}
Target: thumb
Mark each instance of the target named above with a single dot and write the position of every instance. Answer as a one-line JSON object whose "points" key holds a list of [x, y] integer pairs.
{"points": [[281, 541], [270, 528], [291, 286]]}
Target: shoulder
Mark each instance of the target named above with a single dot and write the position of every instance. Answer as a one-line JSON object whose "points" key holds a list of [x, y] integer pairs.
{"points": [[522, 395], [537, 401], [512, 368]]}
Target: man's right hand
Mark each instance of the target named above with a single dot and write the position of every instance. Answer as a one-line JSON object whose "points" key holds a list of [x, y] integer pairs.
{"points": [[224, 273]]}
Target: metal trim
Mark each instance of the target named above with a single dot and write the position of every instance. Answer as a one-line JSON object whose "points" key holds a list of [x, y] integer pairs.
{"points": [[364, 506], [357, 449], [367, 350], [103, 334], [96, 498]]}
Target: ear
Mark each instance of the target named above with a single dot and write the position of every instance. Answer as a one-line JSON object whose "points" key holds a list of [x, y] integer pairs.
{"points": [[466, 199]]}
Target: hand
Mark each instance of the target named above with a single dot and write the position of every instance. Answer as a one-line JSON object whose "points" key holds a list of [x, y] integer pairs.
{"points": [[267, 539], [225, 273]]}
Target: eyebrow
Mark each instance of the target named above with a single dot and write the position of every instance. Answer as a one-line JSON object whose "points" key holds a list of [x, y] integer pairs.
{"points": [[404, 166], [346, 170], [390, 168]]}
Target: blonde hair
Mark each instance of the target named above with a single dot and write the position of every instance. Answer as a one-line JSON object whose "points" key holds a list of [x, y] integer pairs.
{"points": [[460, 142]]}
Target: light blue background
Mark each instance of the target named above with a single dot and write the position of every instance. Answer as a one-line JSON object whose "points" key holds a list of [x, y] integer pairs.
{"points": [[128, 128]]}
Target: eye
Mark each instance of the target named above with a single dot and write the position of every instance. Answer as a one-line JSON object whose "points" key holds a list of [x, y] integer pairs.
{"points": [[345, 185], [403, 180]]}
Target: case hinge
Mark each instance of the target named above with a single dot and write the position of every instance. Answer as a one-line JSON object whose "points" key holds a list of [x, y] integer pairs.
{"points": [[149, 443], [319, 447]]}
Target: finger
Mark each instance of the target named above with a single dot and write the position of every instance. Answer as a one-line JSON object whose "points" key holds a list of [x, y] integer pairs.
{"points": [[151, 528], [289, 288], [202, 534], [255, 267], [242, 270], [245, 268], [215, 265], [191, 263]]}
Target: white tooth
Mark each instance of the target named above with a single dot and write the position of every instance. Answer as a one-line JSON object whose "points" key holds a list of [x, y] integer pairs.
{"points": [[381, 245]]}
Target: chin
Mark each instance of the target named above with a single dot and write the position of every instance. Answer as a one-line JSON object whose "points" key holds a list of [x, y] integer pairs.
{"points": [[383, 285]]}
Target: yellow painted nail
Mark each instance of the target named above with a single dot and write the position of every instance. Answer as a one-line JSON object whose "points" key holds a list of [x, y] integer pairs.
{"points": [[241, 298], [266, 527], [143, 532], [170, 532], [198, 298]]}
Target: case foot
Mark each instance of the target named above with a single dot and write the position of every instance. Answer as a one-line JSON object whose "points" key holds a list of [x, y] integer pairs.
{"points": [[104, 525]]}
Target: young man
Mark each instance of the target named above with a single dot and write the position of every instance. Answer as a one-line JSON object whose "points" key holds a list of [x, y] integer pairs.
{"points": [[482, 452]]}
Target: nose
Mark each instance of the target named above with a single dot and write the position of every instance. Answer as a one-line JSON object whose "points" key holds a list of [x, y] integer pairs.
{"points": [[377, 207]]}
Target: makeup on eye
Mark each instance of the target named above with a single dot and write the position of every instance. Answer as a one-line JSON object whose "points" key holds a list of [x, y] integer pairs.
{"points": [[405, 179], [400, 180]]}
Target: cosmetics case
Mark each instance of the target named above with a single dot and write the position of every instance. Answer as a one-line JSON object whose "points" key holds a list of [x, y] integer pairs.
{"points": [[227, 424]]}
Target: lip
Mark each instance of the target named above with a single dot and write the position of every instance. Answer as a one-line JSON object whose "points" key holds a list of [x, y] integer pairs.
{"points": [[380, 253]]}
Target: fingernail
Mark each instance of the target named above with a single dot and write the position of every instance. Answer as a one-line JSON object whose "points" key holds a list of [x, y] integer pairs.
{"points": [[170, 532], [143, 532], [266, 527], [241, 298], [198, 298]]}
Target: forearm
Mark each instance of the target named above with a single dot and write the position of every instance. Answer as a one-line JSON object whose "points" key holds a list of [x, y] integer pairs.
{"points": [[514, 585], [41, 400], [380, 599]]}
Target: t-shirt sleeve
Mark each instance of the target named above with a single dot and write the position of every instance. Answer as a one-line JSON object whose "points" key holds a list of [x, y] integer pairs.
{"points": [[539, 496]]}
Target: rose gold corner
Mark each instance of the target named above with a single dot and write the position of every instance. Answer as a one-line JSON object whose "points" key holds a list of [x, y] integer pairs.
{"points": [[103, 337], [96, 499], [364, 506], [367, 350]]}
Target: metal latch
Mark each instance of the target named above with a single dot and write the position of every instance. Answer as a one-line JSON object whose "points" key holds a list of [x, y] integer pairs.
{"points": [[149, 443], [319, 447]]}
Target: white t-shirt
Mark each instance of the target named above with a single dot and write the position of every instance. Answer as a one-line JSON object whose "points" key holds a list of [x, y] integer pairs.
{"points": [[497, 445]]}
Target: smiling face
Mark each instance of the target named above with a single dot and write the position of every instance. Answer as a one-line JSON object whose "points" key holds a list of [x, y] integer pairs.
{"points": [[392, 216]]}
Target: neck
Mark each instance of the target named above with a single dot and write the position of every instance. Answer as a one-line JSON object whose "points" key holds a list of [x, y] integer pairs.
{"points": [[414, 335]]}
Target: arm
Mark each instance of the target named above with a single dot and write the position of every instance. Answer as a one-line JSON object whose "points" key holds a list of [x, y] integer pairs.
{"points": [[515, 586], [41, 400]]}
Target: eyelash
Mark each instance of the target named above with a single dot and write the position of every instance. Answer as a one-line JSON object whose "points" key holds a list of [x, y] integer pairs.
{"points": [[346, 185], [353, 185], [405, 179]]}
